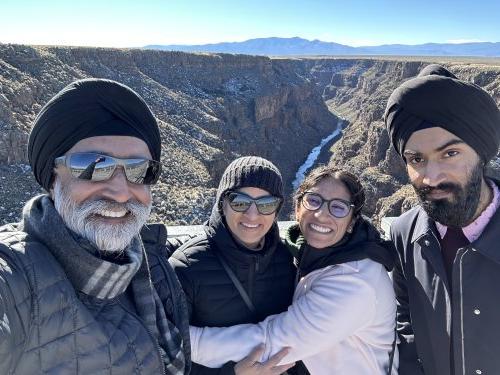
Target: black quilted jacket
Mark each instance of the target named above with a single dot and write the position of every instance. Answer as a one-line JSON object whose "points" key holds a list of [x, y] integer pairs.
{"points": [[48, 328], [267, 276]]}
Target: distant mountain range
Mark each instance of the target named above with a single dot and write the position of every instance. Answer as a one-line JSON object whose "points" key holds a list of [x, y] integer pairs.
{"points": [[299, 46]]}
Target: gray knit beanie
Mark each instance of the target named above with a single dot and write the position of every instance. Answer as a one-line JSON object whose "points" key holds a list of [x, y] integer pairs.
{"points": [[251, 171]]}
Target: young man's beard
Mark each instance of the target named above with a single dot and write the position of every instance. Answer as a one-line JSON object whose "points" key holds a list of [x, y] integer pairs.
{"points": [[457, 211], [83, 219]]}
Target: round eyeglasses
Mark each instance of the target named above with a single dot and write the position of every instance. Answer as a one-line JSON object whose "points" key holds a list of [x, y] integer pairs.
{"points": [[337, 207]]}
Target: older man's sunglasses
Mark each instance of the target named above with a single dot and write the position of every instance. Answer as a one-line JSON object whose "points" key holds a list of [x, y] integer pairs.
{"points": [[241, 202], [92, 166]]}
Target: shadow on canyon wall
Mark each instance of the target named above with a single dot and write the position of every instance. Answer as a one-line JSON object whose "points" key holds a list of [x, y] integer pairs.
{"points": [[214, 107]]}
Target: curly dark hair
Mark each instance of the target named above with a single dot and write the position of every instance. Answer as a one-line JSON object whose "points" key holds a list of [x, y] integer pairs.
{"points": [[350, 181]]}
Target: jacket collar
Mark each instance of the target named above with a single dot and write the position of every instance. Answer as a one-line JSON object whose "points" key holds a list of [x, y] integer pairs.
{"points": [[425, 230], [236, 254], [424, 226], [425, 237], [487, 243], [363, 243]]}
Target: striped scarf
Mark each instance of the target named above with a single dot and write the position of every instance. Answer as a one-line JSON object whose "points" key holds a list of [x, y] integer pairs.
{"points": [[106, 279]]}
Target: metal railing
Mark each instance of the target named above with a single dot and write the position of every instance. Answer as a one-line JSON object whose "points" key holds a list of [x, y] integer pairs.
{"points": [[184, 231]]}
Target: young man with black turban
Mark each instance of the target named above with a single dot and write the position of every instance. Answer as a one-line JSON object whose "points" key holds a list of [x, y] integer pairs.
{"points": [[79, 294], [447, 130]]}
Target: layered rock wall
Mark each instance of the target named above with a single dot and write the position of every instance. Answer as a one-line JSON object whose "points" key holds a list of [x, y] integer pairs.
{"points": [[358, 90], [211, 109]]}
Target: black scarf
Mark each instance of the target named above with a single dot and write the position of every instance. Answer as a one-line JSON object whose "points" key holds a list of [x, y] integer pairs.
{"points": [[363, 243]]}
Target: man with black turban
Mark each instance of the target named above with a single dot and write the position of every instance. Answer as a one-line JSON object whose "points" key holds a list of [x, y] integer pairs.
{"points": [[79, 291], [447, 130]]}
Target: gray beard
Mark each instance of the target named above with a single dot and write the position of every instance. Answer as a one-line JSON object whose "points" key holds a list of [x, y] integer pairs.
{"points": [[83, 220]]}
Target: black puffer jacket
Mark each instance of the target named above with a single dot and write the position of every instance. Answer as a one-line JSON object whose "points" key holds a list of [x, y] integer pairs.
{"points": [[267, 276], [46, 327]]}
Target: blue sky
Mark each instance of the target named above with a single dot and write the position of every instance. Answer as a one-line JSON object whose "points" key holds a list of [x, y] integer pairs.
{"points": [[136, 23]]}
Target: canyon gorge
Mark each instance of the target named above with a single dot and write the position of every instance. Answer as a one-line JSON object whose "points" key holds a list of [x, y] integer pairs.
{"points": [[212, 108]]}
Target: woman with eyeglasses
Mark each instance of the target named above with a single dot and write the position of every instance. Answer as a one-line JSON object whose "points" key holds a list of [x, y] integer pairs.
{"points": [[342, 319], [239, 271]]}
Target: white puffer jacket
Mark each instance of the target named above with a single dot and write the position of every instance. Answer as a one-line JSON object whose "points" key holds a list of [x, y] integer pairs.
{"points": [[342, 321]]}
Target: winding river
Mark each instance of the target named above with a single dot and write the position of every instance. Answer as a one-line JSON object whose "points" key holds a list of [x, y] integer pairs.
{"points": [[313, 155]]}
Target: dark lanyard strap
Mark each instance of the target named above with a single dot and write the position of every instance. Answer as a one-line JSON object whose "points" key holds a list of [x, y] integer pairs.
{"points": [[236, 282]]}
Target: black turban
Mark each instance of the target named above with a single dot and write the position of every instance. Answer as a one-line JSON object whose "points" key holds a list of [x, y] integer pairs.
{"points": [[84, 109], [439, 98]]}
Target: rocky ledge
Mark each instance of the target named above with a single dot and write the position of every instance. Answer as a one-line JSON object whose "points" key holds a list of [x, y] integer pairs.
{"points": [[214, 107]]}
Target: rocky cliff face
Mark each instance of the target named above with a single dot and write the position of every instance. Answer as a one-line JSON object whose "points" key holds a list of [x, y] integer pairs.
{"points": [[358, 90], [211, 109]]}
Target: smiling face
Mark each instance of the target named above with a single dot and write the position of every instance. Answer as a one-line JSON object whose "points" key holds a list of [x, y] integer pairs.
{"points": [[447, 175], [320, 228], [108, 213], [248, 227]]}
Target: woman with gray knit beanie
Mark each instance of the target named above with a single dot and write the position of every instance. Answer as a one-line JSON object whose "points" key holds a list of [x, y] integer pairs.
{"points": [[343, 316], [239, 271]]}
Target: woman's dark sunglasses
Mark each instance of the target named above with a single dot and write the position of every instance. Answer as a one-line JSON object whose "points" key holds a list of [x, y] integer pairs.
{"points": [[338, 208], [241, 202], [91, 166]]}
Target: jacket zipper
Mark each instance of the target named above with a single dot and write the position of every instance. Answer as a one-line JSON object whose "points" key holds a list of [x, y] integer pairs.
{"points": [[462, 336], [251, 277]]}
